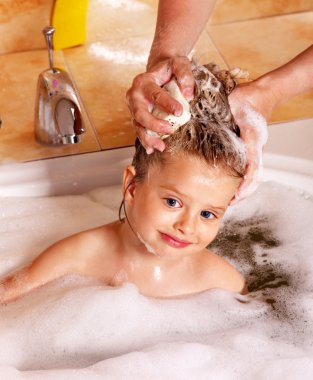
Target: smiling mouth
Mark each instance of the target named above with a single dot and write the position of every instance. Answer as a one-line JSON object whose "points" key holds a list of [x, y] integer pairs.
{"points": [[174, 241]]}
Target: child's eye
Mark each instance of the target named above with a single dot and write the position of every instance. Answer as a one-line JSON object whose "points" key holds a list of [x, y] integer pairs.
{"points": [[207, 214], [172, 202]]}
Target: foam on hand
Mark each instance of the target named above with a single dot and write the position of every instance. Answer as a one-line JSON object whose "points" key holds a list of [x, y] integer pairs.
{"points": [[78, 328], [175, 121], [258, 124]]}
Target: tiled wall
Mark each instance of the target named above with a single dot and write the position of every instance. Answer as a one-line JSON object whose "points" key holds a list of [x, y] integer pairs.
{"points": [[21, 22], [257, 35], [226, 11]]}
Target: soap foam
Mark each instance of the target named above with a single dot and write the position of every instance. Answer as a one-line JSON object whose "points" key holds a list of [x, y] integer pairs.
{"points": [[147, 246], [79, 328], [254, 151]]}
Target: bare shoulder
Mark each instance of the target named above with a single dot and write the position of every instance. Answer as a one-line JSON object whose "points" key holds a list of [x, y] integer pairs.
{"points": [[220, 273], [88, 243], [71, 254], [74, 254]]}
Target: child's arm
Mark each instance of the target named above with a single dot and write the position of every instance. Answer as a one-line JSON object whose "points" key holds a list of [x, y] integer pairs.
{"points": [[59, 259]]}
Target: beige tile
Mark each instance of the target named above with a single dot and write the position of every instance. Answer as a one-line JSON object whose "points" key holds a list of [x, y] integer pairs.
{"points": [[18, 80], [262, 45], [21, 23], [108, 19], [230, 10], [103, 72], [300, 107], [119, 33], [205, 51]]}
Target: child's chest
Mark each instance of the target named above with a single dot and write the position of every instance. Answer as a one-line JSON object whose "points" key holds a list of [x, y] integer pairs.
{"points": [[157, 281], [160, 279]]}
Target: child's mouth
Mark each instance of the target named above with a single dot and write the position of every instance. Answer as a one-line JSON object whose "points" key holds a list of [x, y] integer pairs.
{"points": [[173, 241]]}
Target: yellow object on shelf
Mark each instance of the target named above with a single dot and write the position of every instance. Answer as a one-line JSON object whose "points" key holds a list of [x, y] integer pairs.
{"points": [[69, 22]]}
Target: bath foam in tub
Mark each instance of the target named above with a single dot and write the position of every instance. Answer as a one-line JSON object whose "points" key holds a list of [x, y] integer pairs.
{"points": [[88, 331]]}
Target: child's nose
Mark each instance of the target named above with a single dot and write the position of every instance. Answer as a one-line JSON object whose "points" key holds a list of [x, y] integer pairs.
{"points": [[186, 224]]}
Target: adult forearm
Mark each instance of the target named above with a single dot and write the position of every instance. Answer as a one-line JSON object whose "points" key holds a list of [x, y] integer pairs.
{"points": [[179, 24], [290, 79]]}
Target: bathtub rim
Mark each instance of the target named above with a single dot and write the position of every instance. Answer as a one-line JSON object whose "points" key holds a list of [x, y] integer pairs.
{"points": [[81, 173]]}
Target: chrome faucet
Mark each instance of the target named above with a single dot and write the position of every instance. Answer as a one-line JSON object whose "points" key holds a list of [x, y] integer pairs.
{"points": [[58, 117]]}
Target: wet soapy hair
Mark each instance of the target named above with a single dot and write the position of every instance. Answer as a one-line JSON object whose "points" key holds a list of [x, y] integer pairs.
{"points": [[213, 145], [211, 134]]}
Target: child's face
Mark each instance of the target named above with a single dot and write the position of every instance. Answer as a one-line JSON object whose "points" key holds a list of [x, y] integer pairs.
{"points": [[177, 209]]}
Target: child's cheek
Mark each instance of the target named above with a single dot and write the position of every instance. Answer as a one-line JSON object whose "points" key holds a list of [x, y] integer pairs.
{"points": [[168, 217], [210, 231]]}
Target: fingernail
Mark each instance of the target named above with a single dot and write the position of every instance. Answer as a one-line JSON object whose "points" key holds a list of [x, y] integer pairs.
{"points": [[167, 129], [149, 150], [188, 93], [178, 112]]}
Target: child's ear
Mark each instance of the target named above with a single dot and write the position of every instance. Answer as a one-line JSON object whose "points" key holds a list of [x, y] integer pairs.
{"points": [[129, 184]]}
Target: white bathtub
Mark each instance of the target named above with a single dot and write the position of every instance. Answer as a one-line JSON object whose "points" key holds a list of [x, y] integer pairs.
{"points": [[88, 331], [288, 159]]}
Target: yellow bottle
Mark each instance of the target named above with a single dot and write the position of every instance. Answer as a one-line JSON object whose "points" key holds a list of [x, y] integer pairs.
{"points": [[69, 22]]}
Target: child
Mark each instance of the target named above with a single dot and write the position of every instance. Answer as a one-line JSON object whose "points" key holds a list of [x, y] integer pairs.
{"points": [[174, 203]]}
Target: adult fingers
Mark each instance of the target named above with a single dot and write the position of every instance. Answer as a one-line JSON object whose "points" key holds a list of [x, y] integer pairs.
{"points": [[142, 97], [251, 182], [181, 67], [145, 119], [253, 175], [150, 143], [140, 109], [158, 96]]}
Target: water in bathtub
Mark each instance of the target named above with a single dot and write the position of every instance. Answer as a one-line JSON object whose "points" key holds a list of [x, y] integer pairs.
{"points": [[77, 328]]}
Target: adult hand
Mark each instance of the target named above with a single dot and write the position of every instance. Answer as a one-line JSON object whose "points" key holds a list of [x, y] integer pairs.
{"points": [[251, 106], [146, 92]]}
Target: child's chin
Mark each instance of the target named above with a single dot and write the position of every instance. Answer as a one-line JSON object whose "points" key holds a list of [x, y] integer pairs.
{"points": [[149, 246]]}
